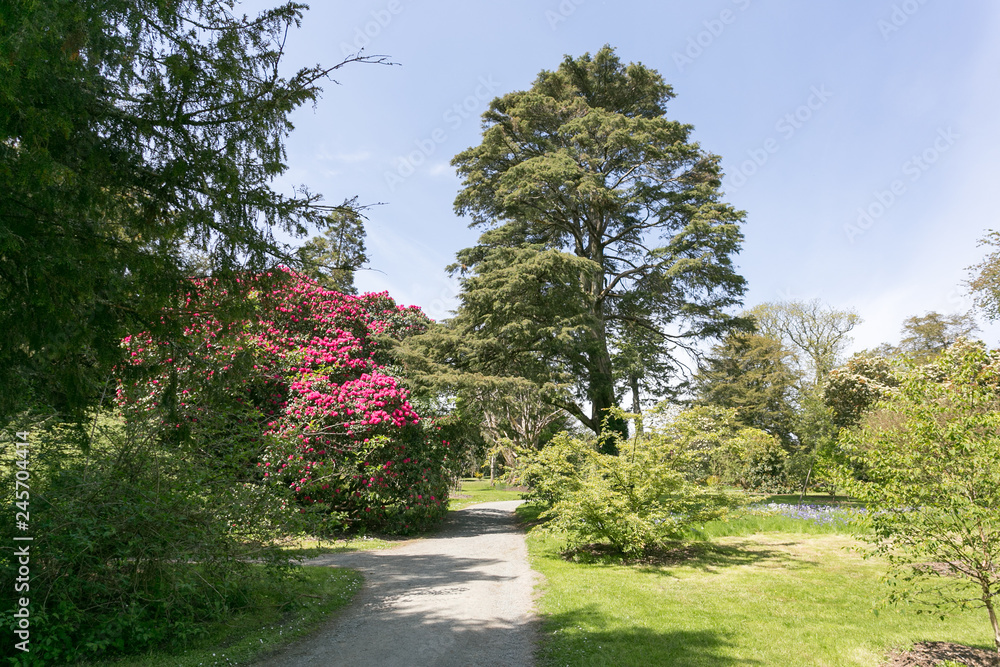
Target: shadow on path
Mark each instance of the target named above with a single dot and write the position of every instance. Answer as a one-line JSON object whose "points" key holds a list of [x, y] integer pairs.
{"points": [[461, 597]]}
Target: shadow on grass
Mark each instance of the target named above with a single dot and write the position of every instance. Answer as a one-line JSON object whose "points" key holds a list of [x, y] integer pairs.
{"points": [[568, 643], [704, 556], [528, 514]]}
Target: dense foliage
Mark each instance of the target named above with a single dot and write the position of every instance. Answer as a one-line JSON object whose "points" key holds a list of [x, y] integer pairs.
{"points": [[132, 132], [853, 389], [647, 494], [929, 454], [925, 336], [306, 382], [721, 448], [136, 545], [606, 223]]}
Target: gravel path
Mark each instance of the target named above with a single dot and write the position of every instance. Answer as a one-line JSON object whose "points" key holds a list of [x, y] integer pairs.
{"points": [[460, 598]]}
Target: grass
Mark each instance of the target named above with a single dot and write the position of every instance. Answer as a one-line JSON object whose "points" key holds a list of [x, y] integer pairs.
{"points": [[769, 598], [473, 491], [779, 517], [284, 612], [308, 547]]}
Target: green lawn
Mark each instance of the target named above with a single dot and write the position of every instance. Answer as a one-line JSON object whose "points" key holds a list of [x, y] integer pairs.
{"points": [[473, 491], [767, 599], [284, 613]]}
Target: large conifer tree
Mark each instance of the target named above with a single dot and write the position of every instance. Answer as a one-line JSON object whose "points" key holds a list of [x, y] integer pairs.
{"points": [[605, 237]]}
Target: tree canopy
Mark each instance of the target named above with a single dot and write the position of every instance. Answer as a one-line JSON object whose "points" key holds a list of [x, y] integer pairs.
{"points": [[606, 243], [816, 334], [926, 336], [332, 258], [750, 373], [131, 132], [854, 388], [984, 279]]}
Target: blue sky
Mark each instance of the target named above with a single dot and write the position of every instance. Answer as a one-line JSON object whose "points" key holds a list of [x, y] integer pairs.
{"points": [[859, 136]]}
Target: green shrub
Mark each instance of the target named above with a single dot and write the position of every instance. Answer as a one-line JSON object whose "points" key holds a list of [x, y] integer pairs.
{"points": [[135, 545], [634, 501], [750, 459], [553, 472], [722, 448]]}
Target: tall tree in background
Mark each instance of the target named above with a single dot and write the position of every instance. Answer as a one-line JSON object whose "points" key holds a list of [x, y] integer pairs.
{"points": [[332, 258], [816, 334], [750, 373], [130, 133], [588, 194], [924, 337], [853, 389]]}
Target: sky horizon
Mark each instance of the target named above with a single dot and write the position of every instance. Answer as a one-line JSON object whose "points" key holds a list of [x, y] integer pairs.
{"points": [[855, 135]]}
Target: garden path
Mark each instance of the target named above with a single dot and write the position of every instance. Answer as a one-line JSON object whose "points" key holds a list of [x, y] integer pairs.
{"points": [[461, 597]]}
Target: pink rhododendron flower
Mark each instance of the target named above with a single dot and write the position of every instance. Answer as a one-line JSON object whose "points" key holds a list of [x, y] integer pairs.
{"points": [[303, 375]]}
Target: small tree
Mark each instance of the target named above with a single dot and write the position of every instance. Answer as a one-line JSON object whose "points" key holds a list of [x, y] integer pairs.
{"points": [[929, 458], [333, 257]]}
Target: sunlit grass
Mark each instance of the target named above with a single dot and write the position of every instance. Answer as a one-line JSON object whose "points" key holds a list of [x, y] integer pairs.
{"points": [[771, 598], [474, 491], [774, 517]]}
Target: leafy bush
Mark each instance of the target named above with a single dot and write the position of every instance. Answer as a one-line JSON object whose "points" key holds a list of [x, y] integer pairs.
{"points": [[135, 546], [750, 459], [553, 472], [306, 379], [635, 500], [723, 449]]}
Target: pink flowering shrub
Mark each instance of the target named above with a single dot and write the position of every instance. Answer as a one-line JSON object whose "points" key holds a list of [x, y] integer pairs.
{"points": [[297, 396]]}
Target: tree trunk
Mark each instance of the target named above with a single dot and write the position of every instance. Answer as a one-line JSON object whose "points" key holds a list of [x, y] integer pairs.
{"points": [[805, 487], [493, 468], [993, 621], [602, 397], [602, 390], [636, 403]]}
